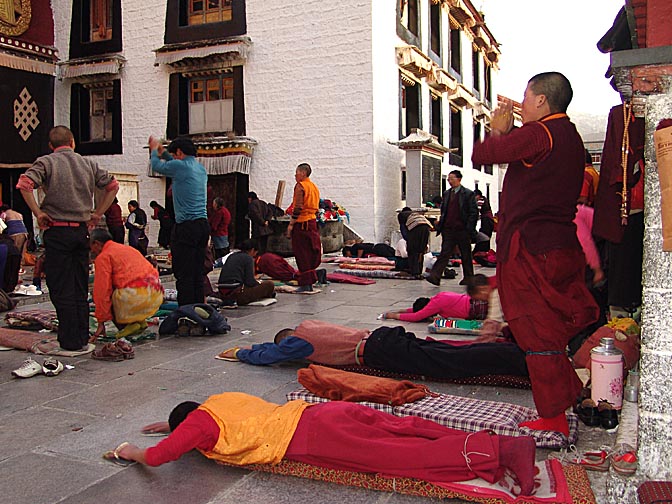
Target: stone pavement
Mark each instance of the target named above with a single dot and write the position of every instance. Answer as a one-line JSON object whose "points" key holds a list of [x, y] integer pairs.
{"points": [[55, 429]]}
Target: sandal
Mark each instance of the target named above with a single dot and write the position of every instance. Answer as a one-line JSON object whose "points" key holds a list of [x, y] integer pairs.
{"points": [[125, 348], [113, 456], [624, 459], [108, 352], [593, 461]]}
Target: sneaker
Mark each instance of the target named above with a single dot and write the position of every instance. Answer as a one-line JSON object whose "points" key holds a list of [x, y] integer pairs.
{"points": [[27, 369], [51, 366], [624, 459]]}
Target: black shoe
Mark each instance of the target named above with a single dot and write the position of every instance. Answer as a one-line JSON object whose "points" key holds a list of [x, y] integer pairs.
{"points": [[588, 413], [304, 288], [321, 276], [450, 274], [465, 280], [433, 281]]}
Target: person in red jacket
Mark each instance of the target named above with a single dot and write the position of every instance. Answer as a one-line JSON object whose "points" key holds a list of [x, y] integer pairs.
{"points": [[114, 221], [219, 220], [540, 264]]}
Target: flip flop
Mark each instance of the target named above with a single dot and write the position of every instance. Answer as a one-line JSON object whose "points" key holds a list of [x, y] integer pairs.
{"points": [[220, 356], [112, 456]]}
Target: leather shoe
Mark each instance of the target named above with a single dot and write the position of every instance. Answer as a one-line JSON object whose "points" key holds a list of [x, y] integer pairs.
{"points": [[433, 281], [608, 415], [588, 413]]}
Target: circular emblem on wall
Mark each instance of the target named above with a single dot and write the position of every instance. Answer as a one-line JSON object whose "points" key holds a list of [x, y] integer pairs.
{"points": [[14, 16]]}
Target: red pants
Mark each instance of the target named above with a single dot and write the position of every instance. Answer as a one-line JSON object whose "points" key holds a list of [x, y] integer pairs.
{"points": [[307, 246], [276, 267], [546, 302], [352, 437]]}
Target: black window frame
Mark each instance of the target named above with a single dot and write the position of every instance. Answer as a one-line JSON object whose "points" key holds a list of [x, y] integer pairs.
{"points": [[455, 49], [179, 30], [178, 105], [476, 72], [405, 33], [436, 116], [456, 137], [80, 31], [487, 82], [410, 121], [80, 107], [478, 127], [435, 40]]}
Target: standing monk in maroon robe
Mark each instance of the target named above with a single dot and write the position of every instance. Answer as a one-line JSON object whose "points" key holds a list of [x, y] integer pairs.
{"points": [[540, 265]]}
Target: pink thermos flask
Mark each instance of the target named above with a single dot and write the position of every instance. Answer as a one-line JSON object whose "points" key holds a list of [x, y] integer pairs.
{"points": [[606, 373]]}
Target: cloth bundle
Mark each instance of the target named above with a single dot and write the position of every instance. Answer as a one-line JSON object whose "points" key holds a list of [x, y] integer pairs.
{"points": [[338, 385], [202, 315]]}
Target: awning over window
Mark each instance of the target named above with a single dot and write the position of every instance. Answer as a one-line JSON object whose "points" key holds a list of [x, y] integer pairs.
{"points": [[442, 80], [412, 59], [93, 65], [461, 12], [233, 48], [27, 56], [482, 111], [463, 98], [222, 155]]}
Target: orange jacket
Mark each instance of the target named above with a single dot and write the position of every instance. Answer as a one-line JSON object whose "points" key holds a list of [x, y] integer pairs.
{"points": [[118, 266]]}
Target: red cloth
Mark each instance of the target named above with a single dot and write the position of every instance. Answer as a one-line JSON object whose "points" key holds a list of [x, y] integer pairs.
{"points": [[352, 437], [345, 278], [278, 268], [546, 303], [307, 246], [607, 221], [541, 186], [219, 222], [340, 385]]}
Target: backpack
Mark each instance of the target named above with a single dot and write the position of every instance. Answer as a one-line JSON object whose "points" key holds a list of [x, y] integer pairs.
{"points": [[194, 320], [6, 303]]}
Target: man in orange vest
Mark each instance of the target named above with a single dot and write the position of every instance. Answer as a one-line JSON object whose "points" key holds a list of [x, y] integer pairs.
{"points": [[302, 229]]}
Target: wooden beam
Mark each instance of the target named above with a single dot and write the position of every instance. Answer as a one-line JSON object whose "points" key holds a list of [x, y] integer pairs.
{"points": [[280, 193]]}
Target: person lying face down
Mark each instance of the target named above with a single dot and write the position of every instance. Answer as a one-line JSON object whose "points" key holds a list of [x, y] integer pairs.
{"points": [[473, 305], [336, 435], [386, 348]]}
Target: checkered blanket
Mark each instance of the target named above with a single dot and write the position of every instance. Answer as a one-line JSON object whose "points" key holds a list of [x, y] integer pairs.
{"points": [[30, 318], [470, 415], [377, 274]]}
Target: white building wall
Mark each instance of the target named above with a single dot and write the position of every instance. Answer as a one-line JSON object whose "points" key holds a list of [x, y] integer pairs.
{"points": [[388, 159], [144, 94], [308, 98]]}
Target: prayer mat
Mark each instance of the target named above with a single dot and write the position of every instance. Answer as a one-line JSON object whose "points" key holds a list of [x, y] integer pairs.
{"points": [[471, 415], [37, 343], [264, 302], [557, 484], [367, 267], [31, 318], [340, 277], [290, 289], [509, 381], [377, 274], [455, 326], [364, 260]]}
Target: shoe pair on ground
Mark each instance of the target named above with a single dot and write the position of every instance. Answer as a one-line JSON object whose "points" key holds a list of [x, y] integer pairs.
{"points": [[50, 367], [623, 458], [116, 351], [603, 414]]}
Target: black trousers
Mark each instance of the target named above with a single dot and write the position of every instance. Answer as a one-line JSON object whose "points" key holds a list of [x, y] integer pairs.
{"points": [[450, 238], [187, 245], [394, 349], [624, 266], [118, 233], [67, 269], [416, 246]]}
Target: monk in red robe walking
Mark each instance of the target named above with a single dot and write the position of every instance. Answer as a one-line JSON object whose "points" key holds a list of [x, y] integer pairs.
{"points": [[540, 265]]}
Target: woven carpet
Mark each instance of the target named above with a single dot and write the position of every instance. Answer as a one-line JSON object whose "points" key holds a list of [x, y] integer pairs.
{"points": [[571, 484]]}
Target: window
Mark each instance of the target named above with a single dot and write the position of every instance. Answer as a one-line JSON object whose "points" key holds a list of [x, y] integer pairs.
{"points": [[455, 158], [477, 138], [410, 108], [436, 124], [211, 104], [487, 191], [488, 85], [196, 20], [455, 51], [476, 69], [209, 11], [96, 28], [409, 15], [435, 29], [206, 103], [403, 184], [101, 20], [95, 117]]}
